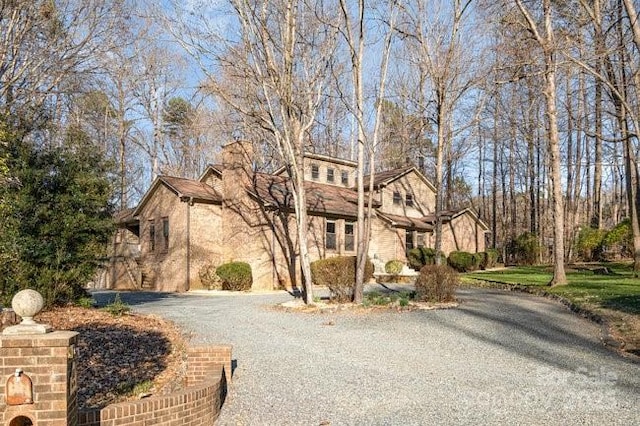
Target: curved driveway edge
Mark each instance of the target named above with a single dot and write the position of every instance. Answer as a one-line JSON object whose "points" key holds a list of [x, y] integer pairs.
{"points": [[500, 358]]}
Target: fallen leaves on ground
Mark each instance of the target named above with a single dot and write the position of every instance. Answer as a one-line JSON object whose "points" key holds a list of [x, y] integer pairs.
{"points": [[116, 353]]}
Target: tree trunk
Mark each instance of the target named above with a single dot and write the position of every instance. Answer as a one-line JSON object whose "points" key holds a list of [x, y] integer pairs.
{"points": [[303, 232], [439, 159], [596, 219], [547, 43]]}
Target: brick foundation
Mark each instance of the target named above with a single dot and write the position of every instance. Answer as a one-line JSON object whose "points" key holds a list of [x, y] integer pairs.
{"points": [[208, 372], [48, 359]]}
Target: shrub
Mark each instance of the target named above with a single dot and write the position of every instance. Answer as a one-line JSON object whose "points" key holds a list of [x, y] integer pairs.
{"points": [[117, 308], [491, 259], [486, 259], [235, 276], [419, 257], [436, 283], [619, 239], [209, 278], [589, 243], [415, 258], [480, 259], [393, 267], [462, 261], [338, 274], [525, 249], [86, 302]]}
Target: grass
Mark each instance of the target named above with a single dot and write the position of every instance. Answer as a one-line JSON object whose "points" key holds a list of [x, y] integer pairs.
{"points": [[619, 290]]}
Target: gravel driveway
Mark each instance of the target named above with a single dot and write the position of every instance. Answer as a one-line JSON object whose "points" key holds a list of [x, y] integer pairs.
{"points": [[499, 358]]}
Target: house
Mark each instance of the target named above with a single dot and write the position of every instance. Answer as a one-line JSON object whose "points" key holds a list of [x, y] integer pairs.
{"points": [[232, 213]]}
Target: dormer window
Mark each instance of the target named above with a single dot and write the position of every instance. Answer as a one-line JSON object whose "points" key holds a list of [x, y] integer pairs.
{"points": [[330, 176], [409, 200], [315, 172], [345, 178], [397, 199]]}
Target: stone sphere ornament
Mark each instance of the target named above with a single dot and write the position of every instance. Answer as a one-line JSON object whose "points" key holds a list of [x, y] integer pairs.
{"points": [[27, 303]]}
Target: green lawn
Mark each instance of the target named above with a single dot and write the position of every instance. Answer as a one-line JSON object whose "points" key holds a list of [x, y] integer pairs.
{"points": [[618, 290]]}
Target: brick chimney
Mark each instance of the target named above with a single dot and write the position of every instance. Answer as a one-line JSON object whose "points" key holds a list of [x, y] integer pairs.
{"points": [[237, 172]]}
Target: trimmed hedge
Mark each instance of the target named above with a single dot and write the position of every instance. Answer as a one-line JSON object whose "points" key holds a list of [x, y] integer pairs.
{"points": [[491, 259], [419, 257], [338, 274], [463, 261], [235, 276], [393, 267], [437, 283]]}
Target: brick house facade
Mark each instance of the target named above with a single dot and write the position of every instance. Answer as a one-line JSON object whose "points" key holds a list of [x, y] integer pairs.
{"points": [[234, 214]]}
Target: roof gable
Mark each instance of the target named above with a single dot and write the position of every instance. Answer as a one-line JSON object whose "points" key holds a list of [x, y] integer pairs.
{"points": [[212, 169], [382, 179], [449, 215], [183, 188]]}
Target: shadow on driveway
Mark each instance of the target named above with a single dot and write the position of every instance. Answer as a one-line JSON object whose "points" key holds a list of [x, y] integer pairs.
{"points": [[133, 298]]}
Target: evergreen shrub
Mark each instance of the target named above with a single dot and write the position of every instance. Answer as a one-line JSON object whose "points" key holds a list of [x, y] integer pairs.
{"points": [[393, 267], [419, 257], [589, 243], [491, 259], [525, 249], [618, 242], [235, 276], [463, 261]]}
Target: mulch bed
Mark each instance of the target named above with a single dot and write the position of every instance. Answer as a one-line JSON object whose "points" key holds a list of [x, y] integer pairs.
{"points": [[116, 353]]}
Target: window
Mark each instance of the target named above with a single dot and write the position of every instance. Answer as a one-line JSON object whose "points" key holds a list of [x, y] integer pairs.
{"points": [[152, 235], [330, 177], [409, 200], [396, 198], [345, 178], [330, 235], [165, 232], [420, 239], [349, 233], [315, 172], [408, 239]]}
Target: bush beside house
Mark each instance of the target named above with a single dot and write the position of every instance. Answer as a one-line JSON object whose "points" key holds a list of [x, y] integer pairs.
{"points": [[393, 267], [419, 257], [338, 274], [235, 276]]}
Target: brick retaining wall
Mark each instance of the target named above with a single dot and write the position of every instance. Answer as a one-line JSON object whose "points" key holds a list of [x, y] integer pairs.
{"points": [[208, 373], [48, 360]]}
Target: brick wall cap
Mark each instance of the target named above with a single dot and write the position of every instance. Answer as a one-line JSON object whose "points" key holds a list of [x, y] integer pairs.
{"points": [[53, 339]]}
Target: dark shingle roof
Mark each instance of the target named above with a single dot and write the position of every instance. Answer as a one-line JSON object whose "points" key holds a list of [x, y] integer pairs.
{"points": [[381, 178], [407, 222], [321, 198], [124, 216], [189, 188]]}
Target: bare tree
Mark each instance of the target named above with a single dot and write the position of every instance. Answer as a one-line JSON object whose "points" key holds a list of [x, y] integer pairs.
{"points": [[544, 35], [355, 35], [43, 43], [434, 31], [279, 64]]}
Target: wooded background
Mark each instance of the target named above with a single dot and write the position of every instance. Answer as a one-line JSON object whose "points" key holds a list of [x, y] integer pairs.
{"points": [[526, 110]]}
